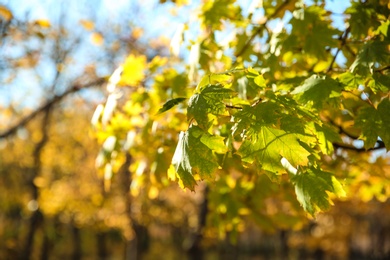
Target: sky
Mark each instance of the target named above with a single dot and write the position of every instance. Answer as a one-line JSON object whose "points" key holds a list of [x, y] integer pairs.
{"points": [[156, 20]]}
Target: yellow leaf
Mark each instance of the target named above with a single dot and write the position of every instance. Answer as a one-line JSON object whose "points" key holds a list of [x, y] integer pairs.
{"points": [[157, 62], [97, 39], [88, 25], [153, 193], [133, 70], [5, 13], [43, 23], [137, 33]]}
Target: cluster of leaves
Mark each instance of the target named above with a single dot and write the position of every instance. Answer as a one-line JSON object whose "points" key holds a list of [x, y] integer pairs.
{"points": [[286, 108], [272, 133]]}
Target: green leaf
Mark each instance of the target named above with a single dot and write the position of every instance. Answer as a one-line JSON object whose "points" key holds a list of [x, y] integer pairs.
{"points": [[384, 28], [372, 53], [214, 12], [215, 143], [311, 187], [209, 100], [193, 159], [361, 18], [384, 112], [258, 80], [373, 123], [326, 137], [169, 104], [350, 80], [317, 90], [379, 82], [267, 146], [311, 32]]}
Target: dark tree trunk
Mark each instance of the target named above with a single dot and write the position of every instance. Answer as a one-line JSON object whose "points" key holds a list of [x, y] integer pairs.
{"points": [[195, 250], [36, 219], [77, 252], [46, 246], [101, 245], [135, 247]]}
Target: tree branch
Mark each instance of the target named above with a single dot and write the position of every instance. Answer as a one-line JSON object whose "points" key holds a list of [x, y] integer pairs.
{"points": [[233, 107], [383, 69], [343, 39], [379, 144], [75, 88]]}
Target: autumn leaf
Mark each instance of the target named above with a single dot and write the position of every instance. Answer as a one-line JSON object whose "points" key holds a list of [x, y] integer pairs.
{"points": [[209, 100], [311, 187], [133, 70], [375, 123], [317, 90], [97, 39], [193, 158], [268, 145]]}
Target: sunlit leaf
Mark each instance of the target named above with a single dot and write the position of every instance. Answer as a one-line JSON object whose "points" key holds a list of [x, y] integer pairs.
{"points": [[133, 70], [268, 145], [5, 13], [87, 25], [97, 39], [311, 187], [43, 23], [209, 100], [193, 159], [317, 90]]}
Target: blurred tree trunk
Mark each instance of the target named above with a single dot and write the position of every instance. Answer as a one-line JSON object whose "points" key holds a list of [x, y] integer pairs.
{"points": [[101, 245], [37, 218], [46, 246], [138, 243], [77, 253], [195, 250]]}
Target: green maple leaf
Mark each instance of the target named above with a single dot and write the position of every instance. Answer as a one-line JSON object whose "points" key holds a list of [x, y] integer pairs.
{"points": [[169, 104], [317, 90], [379, 82], [209, 100], [361, 18], [350, 80], [311, 31], [267, 146], [373, 123], [372, 53], [311, 187], [326, 137], [193, 156]]}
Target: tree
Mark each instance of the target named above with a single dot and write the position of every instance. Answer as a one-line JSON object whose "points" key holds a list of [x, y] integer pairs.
{"points": [[279, 113], [52, 195], [270, 111]]}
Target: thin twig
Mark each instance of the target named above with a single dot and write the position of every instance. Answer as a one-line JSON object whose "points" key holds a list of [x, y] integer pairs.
{"points": [[261, 27], [233, 107], [368, 98], [343, 42], [383, 69], [379, 143]]}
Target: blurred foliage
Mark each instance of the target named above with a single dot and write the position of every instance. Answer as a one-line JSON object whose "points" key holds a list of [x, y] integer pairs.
{"points": [[277, 118]]}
